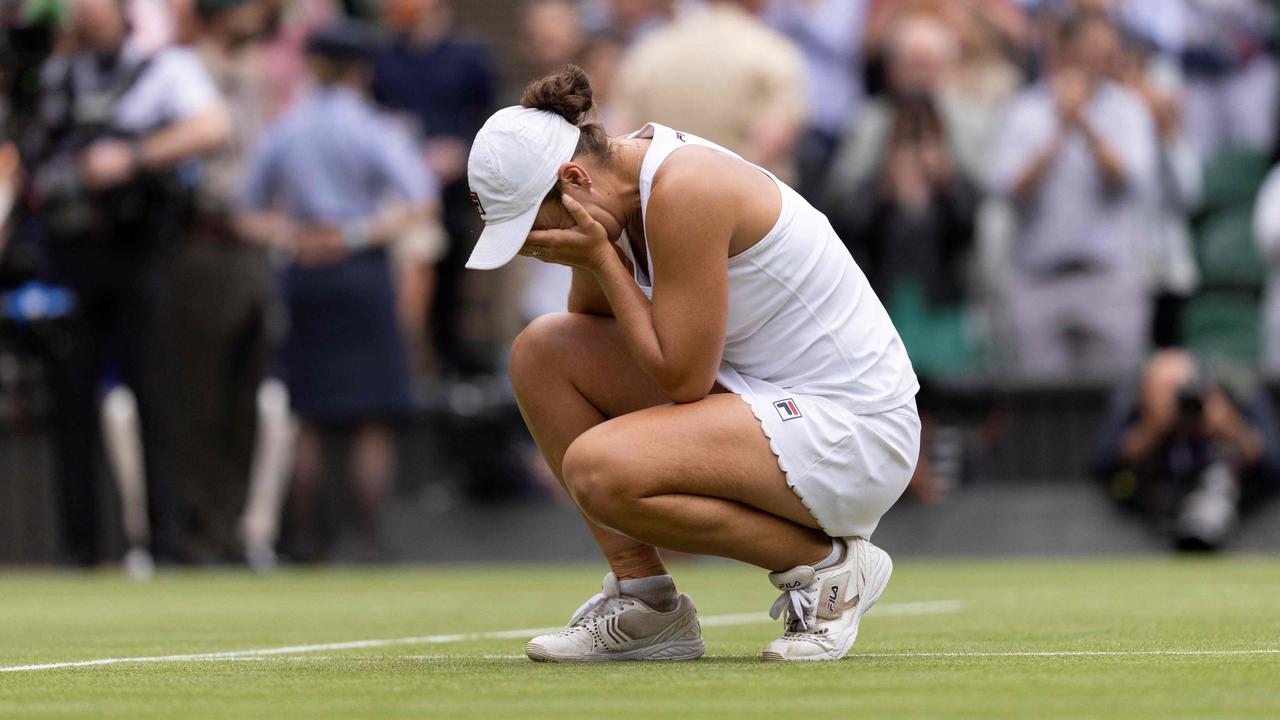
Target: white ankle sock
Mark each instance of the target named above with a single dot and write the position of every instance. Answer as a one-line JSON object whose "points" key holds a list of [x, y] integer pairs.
{"points": [[656, 591], [837, 554]]}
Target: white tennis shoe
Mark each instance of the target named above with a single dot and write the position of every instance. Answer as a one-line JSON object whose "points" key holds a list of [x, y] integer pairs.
{"points": [[613, 626], [822, 608]]}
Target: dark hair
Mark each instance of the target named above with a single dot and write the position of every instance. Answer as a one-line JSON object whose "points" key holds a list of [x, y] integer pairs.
{"points": [[568, 94]]}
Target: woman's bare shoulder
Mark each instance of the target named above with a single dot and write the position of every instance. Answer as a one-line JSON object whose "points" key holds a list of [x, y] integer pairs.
{"points": [[696, 176]]}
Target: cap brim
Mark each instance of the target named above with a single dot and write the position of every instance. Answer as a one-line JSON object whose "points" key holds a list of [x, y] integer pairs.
{"points": [[501, 241]]}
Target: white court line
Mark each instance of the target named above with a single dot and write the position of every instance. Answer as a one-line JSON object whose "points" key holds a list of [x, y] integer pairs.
{"points": [[1073, 653], [916, 608]]}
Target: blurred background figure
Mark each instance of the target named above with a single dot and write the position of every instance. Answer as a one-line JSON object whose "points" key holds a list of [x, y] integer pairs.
{"points": [[115, 129], [288, 25], [444, 82], [904, 201], [600, 57], [994, 52], [1266, 230], [626, 20], [724, 75], [1232, 80], [222, 286], [1190, 448], [1173, 275], [338, 184], [828, 34], [1039, 191], [550, 36], [1077, 156]]}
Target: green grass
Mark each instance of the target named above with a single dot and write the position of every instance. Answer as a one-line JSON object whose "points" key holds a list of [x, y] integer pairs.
{"points": [[1123, 606]]}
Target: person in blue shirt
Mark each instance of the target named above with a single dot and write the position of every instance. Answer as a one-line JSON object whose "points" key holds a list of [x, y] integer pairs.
{"points": [[447, 84], [333, 183]]}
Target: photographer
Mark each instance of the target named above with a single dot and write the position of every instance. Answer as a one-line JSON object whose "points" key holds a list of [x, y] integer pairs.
{"points": [[1190, 448], [113, 128]]}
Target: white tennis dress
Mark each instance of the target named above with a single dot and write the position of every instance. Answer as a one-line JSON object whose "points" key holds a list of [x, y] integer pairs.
{"points": [[810, 348]]}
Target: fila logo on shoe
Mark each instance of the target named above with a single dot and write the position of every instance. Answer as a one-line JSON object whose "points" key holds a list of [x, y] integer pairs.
{"points": [[831, 599], [794, 585]]}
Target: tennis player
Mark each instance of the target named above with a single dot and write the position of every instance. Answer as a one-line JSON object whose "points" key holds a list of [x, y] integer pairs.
{"points": [[724, 382]]}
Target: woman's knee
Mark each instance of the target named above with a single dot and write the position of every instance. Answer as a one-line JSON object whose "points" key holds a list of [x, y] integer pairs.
{"points": [[539, 348], [600, 483]]}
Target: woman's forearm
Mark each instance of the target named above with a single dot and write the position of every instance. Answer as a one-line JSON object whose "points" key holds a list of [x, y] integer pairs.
{"points": [[585, 295], [634, 313]]}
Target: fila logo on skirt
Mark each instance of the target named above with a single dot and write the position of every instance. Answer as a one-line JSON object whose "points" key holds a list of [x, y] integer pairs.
{"points": [[787, 409]]}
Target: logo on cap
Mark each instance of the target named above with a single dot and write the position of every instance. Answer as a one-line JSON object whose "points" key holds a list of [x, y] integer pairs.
{"points": [[475, 200]]}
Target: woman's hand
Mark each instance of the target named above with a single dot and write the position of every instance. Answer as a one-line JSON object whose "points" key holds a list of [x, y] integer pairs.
{"points": [[585, 245]]}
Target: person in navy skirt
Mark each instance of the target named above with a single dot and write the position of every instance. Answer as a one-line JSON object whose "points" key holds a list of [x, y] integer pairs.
{"points": [[333, 183]]}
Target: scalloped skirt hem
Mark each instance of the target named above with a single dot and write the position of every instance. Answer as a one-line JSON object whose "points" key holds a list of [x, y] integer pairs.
{"points": [[847, 469]]}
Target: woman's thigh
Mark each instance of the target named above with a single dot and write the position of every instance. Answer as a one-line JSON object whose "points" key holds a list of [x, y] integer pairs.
{"points": [[714, 447], [587, 352]]}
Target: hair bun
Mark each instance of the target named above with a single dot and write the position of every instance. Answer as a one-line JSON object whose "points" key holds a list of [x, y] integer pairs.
{"points": [[566, 93]]}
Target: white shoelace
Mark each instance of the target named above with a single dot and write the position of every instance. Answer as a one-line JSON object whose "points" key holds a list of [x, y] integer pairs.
{"points": [[801, 606], [598, 605]]}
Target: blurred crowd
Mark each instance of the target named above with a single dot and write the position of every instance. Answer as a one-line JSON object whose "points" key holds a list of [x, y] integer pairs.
{"points": [[234, 230]]}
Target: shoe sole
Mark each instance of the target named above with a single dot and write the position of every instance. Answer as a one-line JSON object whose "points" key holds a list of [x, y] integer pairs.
{"points": [[671, 650], [881, 571]]}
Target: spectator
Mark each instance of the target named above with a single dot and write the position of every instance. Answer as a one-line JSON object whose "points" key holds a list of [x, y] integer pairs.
{"points": [[723, 74], [1077, 154], [10, 167], [289, 24], [222, 351], [995, 39], [1223, 47], [1232, 80], [550, 36], [446, 83], [627, 20], [900, 196], [1190, 448], [1171, 266], [339, 183], [114, 127], [600, 58], [903, 201], [828, 33], [1266, 232]]}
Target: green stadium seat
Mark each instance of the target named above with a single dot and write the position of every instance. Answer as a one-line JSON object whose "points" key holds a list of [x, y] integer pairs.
{"points": [[1225, 250], [1224, 324], [1232, 178]]}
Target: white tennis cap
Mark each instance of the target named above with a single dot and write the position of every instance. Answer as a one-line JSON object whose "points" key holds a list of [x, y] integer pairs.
{"points": [[513, 165]]}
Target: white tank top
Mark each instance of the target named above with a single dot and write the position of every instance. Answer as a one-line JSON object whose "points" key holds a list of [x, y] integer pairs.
{"points": [[802, 315]]}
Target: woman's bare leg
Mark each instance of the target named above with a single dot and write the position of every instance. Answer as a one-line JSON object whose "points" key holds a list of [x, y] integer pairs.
{"points": [[570, 373], [697, 478]]}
